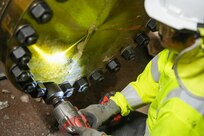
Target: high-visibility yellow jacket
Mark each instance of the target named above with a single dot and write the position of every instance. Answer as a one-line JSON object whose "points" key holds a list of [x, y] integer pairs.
{"points": [[174, 85]]}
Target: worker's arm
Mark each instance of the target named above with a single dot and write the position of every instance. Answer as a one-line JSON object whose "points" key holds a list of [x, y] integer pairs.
{"points": [[143, 90], [134, 95]]}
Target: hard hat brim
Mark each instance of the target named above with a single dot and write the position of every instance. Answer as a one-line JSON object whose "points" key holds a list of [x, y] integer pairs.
{"points": [[155, 10]]}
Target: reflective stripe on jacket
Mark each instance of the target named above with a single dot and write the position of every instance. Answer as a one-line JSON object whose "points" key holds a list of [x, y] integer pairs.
{"points": [[173, 84]]}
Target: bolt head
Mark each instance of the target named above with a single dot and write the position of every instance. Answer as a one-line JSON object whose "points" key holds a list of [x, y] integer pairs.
{"points": [[24, 61], [142, 39], [52, 91], [41, 12], [128, 53], [30, 87], [69, 93], [97, 76], [113, 65], [67, 89], [39, 91], [81, 85], [151, 25], [19, 74], [24, 76], [21, 55], [26, 35]]}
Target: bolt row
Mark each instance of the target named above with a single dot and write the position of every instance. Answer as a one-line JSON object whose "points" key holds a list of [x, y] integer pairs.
{"points": [[20, 55], [26, 35]]}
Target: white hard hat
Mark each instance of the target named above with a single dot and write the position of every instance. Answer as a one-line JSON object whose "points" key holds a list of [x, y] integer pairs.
{"points": [[178, 14]]}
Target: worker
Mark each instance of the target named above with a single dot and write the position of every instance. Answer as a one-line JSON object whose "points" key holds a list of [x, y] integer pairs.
{"points": [[172, 82]]}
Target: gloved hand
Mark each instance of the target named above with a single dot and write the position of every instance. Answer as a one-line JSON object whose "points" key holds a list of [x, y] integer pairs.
{"points": [[82, 131], [97, 114]]}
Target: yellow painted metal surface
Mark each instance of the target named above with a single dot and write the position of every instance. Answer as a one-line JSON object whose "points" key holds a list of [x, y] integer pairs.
{"points": [[82, 36]]}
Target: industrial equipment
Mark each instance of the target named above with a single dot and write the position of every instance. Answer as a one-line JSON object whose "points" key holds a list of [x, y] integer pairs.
{"points": [[52, 48], [67, 41], [65, 113]]}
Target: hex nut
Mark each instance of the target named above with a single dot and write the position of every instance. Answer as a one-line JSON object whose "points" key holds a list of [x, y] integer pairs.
{"points": [[97, 76], [19, 74], [41, 12], [53, 91], [39, 90], [151, 25], [113, 65], [142, 39], [81, 85], [29, 87], [128, 53], [67, 89], [26, 35], [21, 55]]}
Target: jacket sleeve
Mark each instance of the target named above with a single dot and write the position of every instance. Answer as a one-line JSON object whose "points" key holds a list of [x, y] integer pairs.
{"points": [[142, 91]]}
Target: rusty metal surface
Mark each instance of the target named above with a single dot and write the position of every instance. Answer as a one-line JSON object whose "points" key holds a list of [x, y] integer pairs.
{"points": [[34, 118]]}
